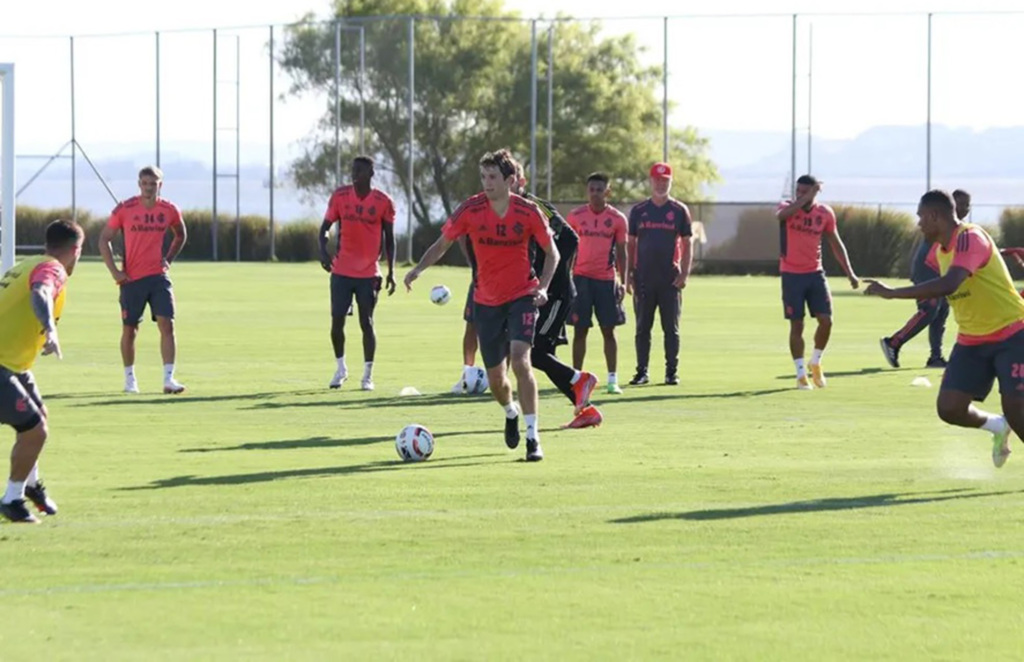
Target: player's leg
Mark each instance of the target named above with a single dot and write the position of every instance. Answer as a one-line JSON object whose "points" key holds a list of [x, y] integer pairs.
{"points": [[1008, 359], [161, 304], [670, 308], [793, 309], [918, 322], [342, 291], [580, 318], [35, 491], [936, 330], [644, 304], [470, 344], [132, 300], [522, 328], [969, 378], [550, 332], [366, 292], [19, 410], [492, 330], [609, 312], [819, 303]]}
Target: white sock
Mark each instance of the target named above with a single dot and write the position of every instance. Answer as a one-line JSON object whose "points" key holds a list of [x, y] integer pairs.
{"points": [[129, 372], [576, 377], [613, 378], [33, 476], [466, 369], [168, 372], [342, 368], [531, 427], [15, 491], [801, 371], [511, 411], [368, 369], [816, 356], [994, 423]]}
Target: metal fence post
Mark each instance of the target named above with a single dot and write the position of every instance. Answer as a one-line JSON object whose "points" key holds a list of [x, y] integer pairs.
{"points": [[412, 130], [273, 247]]}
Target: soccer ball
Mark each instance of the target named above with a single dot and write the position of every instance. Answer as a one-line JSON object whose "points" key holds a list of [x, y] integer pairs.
{"points": [[440, 295], [414, 443], [474, 381]]}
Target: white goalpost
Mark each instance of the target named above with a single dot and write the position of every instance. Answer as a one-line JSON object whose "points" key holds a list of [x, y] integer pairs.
{"points": [[7, 167]]}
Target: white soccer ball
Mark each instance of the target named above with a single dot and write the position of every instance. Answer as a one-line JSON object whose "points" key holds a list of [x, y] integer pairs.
{"points": [[414, 443], [440, 295], [475, 381]]}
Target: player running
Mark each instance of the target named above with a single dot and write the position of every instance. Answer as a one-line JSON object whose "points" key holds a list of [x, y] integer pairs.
{"points": [[599, 274], [802, 224], [499, 226], [990, 316], [144, 220], [32, 295], [366, 220]]}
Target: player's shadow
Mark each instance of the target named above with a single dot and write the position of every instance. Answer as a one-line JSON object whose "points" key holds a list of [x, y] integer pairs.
{"points": [[132, 400], [431, 400], [319, 442], [847, 373], [318, 472], [887, 500], [629, 396]]}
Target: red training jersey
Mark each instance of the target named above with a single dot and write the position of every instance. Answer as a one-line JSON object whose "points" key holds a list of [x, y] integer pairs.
{"points": [[500, 246], [600, 233], [800, 238], [144, 229], [360, 230]]}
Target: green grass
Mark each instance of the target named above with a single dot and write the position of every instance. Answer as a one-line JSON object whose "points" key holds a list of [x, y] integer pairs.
{"points": [[261, 516]]}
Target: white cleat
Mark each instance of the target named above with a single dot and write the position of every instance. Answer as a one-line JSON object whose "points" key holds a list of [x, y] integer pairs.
{"points": [[1001, 446], [131, 385], [338, 379], [173, 387], [803, 384], [367, 384]]}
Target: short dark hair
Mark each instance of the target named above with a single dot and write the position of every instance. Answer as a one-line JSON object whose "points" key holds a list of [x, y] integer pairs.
{"points": [[152, 171], [62, 234], [960, 193], [808, 180], [940, 201], [502, 160], [364, 159], [598, 177]]}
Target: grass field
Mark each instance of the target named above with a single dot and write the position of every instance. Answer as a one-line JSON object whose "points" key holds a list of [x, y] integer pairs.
{"points": [[262, 516]]}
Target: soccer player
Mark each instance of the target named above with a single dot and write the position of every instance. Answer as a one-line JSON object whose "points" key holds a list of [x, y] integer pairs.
{"points": [[990, 315], [602, 230], [802, 224], [551, 317], [931, 313], [144, 220], [499, 226], [32, 297], [366, 219], [660, 256]]}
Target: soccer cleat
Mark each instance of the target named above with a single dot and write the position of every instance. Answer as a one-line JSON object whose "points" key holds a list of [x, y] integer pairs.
{"points": [[1001, 446], [613, 389], [512, 431], [16, 512], [892, 354], [367, 384], [338, 379], [802, 384], [936, 362], [640, 378], [817, 375], [590, 417], [672, 378], [460, 387], [582, 389], [171, 386], [131, 385], [534, 453], [37, 495]]}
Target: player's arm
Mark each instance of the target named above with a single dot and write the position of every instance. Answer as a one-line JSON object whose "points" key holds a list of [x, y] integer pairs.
{"points": [[322, 236], [1016, 253], [932, 289], [41, 298], [389, 251], [631, 235], [177, 242], [793, 207], [551, 258], [835, 242], [107, 235], [684, 235], [433, 254]]}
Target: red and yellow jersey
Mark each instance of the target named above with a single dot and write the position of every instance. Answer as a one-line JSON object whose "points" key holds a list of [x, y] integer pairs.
{"points": [[499, 247], [599, 232], [144, 229], [800, 238], [986, 306], [21, 334], [360, 230]]}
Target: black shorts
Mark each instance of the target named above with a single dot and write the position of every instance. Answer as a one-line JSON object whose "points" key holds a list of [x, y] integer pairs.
{"points": [[596, 297], [467, 313], [974, 368], [498, 326], [364, 290], [21, 406], [551, 318], [155, 290], [811, 290]]}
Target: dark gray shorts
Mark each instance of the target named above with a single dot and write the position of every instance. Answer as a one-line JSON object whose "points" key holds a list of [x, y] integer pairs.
{"points": [[974, 368], [596, 297], [155, 290], [498, 326], [810, 290], [344, 288], [21, 406]]}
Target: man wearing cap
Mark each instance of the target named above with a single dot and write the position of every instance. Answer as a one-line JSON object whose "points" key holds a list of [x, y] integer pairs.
{"points": [[660, 258]]}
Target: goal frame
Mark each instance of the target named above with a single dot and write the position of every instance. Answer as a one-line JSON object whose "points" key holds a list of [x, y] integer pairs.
{"points": [[7, 211]]}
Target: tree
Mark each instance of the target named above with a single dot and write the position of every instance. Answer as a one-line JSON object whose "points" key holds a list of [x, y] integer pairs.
{"points": [[472, 95]]}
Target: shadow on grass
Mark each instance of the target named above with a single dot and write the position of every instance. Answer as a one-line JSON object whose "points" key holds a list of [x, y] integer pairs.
{"points": [[318, 472], [849, 373], [321, 442], [817, 506], [130, 400]]}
